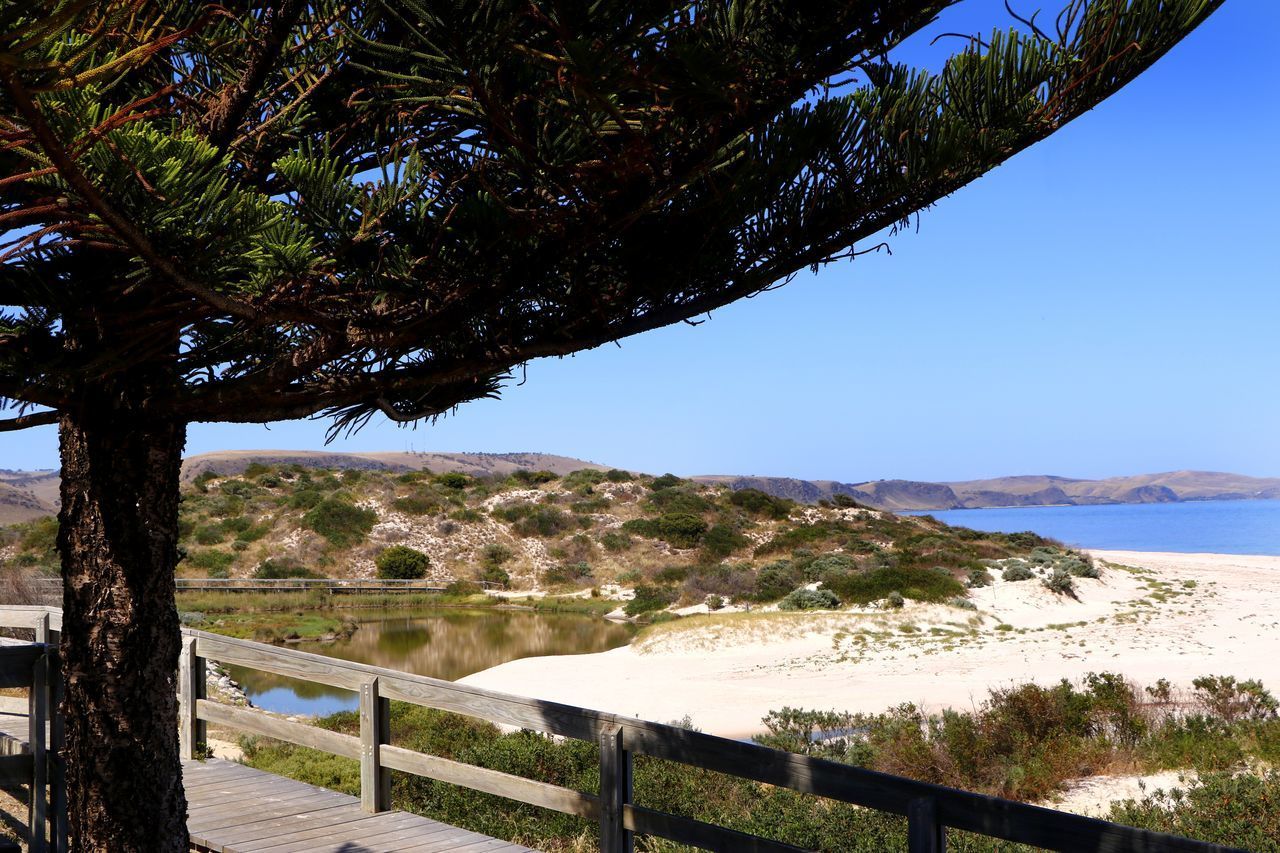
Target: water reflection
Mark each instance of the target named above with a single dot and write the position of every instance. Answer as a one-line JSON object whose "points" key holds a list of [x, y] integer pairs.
{"points": [[442, 643]]}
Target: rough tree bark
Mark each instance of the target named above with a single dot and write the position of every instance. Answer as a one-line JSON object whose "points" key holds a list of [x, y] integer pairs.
{"points": [[118, 542]]}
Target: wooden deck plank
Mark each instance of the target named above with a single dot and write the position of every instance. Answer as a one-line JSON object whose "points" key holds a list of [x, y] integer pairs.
{"points": [[270, 827], [355, 831], [233, 808]]}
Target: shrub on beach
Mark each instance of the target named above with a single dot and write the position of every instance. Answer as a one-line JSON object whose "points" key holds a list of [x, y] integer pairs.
{"points": [[1018, 571], [1060, 583], [979, 578], [648, 599], [809, 599]]}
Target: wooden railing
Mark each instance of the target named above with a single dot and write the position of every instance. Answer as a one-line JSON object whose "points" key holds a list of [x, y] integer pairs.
{"points": [[930, 809], [34, 666]]}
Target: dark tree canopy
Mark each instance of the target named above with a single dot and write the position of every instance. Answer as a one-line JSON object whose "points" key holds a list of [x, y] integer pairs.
{"points": [[385, 206], [270, 209]]}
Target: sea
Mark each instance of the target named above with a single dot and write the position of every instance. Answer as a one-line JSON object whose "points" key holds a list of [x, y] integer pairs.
{"points": [[1213, 527]]}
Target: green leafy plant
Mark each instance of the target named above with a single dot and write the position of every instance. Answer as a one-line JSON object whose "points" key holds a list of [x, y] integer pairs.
{"points": [[402, 562]]}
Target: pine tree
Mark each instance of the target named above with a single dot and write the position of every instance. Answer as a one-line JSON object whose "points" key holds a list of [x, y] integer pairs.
{"points": [[266, 210]]}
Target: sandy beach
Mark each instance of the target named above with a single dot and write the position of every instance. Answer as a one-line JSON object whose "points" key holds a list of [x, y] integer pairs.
{"points": [[1150, 616]]}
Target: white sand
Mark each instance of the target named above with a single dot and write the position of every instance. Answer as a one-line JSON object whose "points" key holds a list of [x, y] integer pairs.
{"points": [[1218, 616]]}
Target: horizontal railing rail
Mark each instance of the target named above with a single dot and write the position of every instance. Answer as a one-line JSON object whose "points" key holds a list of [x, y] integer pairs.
{"points": [[930, 809]]}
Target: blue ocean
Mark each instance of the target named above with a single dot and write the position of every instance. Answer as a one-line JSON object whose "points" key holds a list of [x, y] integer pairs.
{"points": [[1215, 527]]}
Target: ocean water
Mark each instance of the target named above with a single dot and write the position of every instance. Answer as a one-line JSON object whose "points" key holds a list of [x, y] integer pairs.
{"points": [[1215, 527]]}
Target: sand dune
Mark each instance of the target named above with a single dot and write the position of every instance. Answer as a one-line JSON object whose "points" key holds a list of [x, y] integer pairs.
{"points": [[1174, 616]]}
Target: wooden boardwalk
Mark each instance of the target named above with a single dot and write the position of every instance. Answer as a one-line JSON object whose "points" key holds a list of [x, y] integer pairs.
{"points": [[232, 808]]}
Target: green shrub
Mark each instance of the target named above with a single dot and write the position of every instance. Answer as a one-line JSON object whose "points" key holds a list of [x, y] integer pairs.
{"points": [[495, 575], [1060, 582], [280, 568], [666, 481], [679, 500], [533, 478], [846, 502], [305, 498], [915, 583], [495, 554], [775, 580], [962, 603], [650, 598], [254, 470], [617, 475], [226, 505], [757, 502], [809, 599], [209, 534], [568, 573], [615, 541], [1220, 808], [582, 480], [721, 540], [418, 503], [211, 559], [401, 562], [828, 564], [342, 523], [681, 529], [1017, 572], [202, 481], [453, 480], [544, 521], [1230, 700], [979, 578], [646, 527], [894, 600], [467, 515]]}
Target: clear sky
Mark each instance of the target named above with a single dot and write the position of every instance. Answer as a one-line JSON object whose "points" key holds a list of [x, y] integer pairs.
{"points": [[1105, 303]]}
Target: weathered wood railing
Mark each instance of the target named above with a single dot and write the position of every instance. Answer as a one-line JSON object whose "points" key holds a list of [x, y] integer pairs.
{"points": [[929, 809], [35, 667]]}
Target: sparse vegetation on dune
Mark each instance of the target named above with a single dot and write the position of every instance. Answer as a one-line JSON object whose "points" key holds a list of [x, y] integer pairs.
{"points": [[533, 529], [1023, 742]]}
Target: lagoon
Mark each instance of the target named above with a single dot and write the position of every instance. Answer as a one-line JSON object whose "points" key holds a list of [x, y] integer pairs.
{"points": [[439, 642], [1191, 527]]}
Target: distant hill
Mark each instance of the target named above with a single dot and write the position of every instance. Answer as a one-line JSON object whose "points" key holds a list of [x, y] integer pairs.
{"points": [[25, 495], [1028, 490], [228, 462]]}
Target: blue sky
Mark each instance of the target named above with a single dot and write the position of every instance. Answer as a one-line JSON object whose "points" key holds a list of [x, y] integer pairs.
{"points": [[1105, 303]]}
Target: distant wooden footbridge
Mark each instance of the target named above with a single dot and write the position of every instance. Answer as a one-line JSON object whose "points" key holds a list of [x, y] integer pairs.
{"points": [[236, 809], [333, 586]]}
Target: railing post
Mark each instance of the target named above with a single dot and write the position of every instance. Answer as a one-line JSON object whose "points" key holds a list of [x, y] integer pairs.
{"points": [[375, 730], [924, 833], [57, 759], [42, 628], [37, 720], [615, 792], [191, 686]]}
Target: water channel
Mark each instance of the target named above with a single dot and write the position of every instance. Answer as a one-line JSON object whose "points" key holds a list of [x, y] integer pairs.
{"points": [[440, 642]]}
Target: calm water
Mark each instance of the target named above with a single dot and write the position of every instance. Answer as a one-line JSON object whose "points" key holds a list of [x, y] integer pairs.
{"points": [[1216, 527], [442, 643]]}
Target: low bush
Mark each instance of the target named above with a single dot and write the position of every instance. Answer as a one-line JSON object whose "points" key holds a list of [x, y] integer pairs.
{"points": [[400, 562], [453, 480], [979, 578], [582, 480], [617, 475], [809, 599], [681, 529], [495, 575], [1017, 572], [211, 559], [544, 521], [418, 503], [646, 527], [615, 542], [209, 534], [775, 580], [568, 573], [342, 523], [280, 568], [666, 481], [915, 583], [761, 503], [650, 598], [1060, 582], [720, 541]]}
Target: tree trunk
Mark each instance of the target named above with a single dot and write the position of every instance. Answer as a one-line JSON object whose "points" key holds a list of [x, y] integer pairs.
{"points": [[118, 541]]}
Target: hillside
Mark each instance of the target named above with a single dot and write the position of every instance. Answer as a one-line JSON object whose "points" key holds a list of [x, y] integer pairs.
{"points": [[1031, 490], [673, 540], [228, 462], [25, 495]]}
